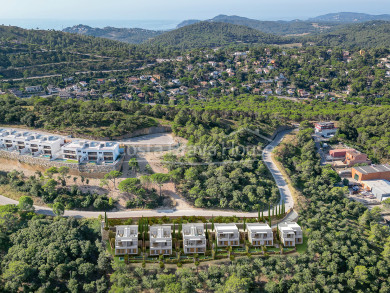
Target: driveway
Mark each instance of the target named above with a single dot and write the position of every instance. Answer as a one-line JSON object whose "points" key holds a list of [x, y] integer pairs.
{"points": [[281, 183]]}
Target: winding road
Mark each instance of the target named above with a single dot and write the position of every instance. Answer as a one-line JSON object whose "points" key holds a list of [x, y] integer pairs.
{"points": [[285, 193]]}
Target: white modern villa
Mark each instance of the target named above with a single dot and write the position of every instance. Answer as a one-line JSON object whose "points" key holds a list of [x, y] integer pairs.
{"points": [[194, 238], [126, 240], [260, 234], [26, 142], [290, 234], [91, 151], [227, 235], [160, 240]]}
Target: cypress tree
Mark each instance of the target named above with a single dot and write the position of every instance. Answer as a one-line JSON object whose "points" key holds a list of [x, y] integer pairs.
{"points": [[106, 220], [258, 213], [244, 225], [212, 223], [262, 216]]}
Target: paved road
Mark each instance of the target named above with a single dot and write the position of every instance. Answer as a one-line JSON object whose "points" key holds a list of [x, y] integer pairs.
{"points": [[285, 193], [283, 187]]}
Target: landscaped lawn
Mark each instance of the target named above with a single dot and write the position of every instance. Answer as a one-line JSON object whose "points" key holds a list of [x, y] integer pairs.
{"points": [[72, 161], [301, 248]]}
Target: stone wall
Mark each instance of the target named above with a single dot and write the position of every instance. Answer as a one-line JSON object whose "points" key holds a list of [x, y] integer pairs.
{"points": [[280, 129], [87, 170], [139, 132]]}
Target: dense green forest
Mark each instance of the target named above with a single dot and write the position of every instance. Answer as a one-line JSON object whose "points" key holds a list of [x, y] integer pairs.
{"points": [[43, 254], [221, 168], [206, 34], [362, 35]]}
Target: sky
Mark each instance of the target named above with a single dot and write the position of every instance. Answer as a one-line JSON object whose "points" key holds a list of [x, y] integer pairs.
{"points": [[177, 10]]}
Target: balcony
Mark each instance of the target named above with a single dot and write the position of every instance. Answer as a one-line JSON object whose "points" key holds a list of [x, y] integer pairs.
{"points": [[195, 243]]}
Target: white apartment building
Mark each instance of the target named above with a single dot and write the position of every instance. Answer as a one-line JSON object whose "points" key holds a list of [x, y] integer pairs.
{"points": [[160, 239], [290, 234], [30, 143], [126, 240], [260, 234], [194, 238], [227, 235], [91, 151]]}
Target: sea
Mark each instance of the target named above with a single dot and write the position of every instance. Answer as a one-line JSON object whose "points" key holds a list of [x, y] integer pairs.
{"points": [[56, 24]]}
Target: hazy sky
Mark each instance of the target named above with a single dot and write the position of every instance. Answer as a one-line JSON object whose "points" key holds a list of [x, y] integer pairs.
{"points": [[182, 9]]}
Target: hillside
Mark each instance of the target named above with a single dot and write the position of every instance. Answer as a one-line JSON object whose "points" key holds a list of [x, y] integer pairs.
{"points": [[361, 35], [349, 17], [206, 34], [275, 27], [127, 35]]}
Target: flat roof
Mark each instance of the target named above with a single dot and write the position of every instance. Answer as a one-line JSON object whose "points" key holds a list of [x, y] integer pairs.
{"points": [[258, 227], [372, 169], [225, 227], [380, 185]]}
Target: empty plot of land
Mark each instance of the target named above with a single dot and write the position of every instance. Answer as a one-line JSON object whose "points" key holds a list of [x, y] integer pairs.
{"points": [[151, 139]]}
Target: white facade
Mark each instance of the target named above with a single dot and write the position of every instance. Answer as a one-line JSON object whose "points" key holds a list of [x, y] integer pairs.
{"points": [[260, 234], [325, 128], [160, 239], [227, 235], [91, 151], [30, 143], [194, 238], [126, 240], [290, 234]]}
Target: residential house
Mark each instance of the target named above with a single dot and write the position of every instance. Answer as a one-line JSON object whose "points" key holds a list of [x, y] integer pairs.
{"points": [[160, 240], [260, 234], [227, 235], [325, 128], [33, 89], [52, 90], [194, 238], [290, 234], [126, 239], [91, 151], [353, 157]]}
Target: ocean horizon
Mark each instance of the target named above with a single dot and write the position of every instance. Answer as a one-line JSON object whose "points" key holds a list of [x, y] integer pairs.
{"points": [[48, 24]]}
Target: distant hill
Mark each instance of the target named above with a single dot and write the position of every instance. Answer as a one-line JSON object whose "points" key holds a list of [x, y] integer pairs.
{"points": [[127, 35], [294, 27], [209, 34], [187, 22], [349, 17], [361, 35]]}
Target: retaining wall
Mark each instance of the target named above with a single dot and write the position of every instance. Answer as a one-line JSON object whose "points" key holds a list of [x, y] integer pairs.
{"points": [[86, 170]]}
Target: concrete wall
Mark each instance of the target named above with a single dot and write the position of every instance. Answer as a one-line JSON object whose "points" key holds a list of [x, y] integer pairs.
{"points": [[88, 170]]}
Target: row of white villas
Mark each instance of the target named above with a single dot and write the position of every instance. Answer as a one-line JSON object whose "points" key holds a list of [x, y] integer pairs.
{"points": [[194, 237], [54, 147], [30, 143]]}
